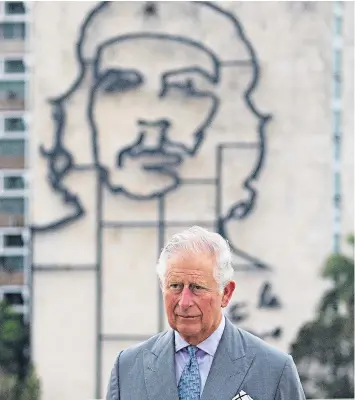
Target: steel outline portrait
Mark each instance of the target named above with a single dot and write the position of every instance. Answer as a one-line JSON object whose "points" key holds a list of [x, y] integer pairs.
{"points": [[61, 161]]}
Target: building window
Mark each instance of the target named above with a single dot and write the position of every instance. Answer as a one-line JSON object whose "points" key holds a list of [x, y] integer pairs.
{"points": [[12, 30], [14, 66], [12, 212], [14, 206], [14, 182], [14, 299], [13, 241], [12, 154], [14, 124], [15, 8], [12, 90], [12, 148], [11, 263]]}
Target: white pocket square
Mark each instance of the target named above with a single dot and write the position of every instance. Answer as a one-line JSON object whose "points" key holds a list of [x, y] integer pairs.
{"points": [[242, 396]]}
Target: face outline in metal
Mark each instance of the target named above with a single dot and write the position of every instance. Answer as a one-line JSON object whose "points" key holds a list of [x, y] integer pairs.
{"points": [[61, 161], [168, 146]]}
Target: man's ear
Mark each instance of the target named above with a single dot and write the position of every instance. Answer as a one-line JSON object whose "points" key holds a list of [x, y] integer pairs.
{"points": [[228, 293]]}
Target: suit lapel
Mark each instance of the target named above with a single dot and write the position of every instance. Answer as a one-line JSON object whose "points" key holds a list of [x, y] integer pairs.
{"points": [[230, 365], [159, 369]]}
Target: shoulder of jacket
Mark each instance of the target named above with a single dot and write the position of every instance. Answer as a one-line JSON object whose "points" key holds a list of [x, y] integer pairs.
{"points": [[130, 353], [263, 349]]}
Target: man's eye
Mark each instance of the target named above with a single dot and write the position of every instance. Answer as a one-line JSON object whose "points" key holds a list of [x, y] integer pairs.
{"points": [[174, 286], [116, 80], [197, 287]]}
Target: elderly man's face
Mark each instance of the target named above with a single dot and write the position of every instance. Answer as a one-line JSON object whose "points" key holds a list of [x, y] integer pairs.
{"points": [[192, 298]]}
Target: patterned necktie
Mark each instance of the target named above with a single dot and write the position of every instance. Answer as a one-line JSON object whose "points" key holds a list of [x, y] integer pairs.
{"points": [[190, 382]]}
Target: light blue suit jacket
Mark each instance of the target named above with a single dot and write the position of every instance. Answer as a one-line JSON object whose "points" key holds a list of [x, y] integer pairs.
{"points": [[242, 362]]}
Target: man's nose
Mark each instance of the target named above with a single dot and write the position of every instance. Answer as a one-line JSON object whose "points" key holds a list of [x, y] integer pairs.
{"points": [[153, 131], [185, 298]]}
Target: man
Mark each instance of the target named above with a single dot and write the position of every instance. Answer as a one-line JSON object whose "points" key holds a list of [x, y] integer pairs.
{"points": [[203, 356]]}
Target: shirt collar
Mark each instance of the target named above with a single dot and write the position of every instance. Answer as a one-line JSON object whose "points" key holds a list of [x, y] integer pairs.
{"points": [[209, 345]]}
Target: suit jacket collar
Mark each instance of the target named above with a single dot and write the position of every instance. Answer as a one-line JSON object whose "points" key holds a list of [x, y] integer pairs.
{"points": [[230, 365]]}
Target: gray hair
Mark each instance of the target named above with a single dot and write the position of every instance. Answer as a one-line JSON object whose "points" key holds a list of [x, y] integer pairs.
{"points": [[196, 240]]}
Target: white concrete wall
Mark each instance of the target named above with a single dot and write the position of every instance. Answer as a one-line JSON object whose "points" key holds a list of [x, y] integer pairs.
{"points": [[290, 227]]}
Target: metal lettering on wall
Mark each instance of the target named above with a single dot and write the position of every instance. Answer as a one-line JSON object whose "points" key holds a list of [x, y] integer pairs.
{"points": [[159, 147]]}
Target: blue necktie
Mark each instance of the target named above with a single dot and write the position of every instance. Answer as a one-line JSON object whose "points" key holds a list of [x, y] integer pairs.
{"points": [[190, 382]]}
